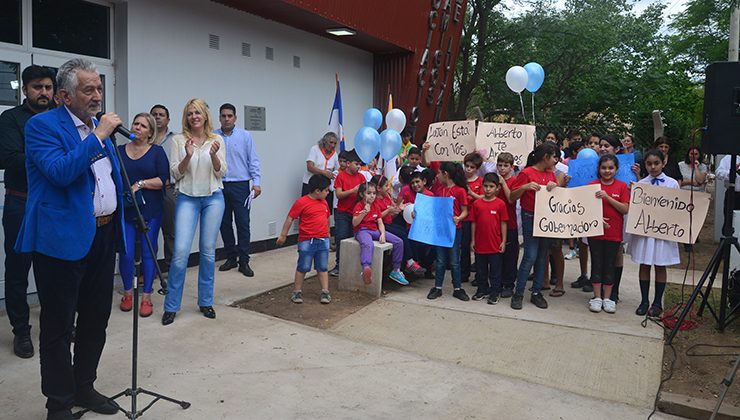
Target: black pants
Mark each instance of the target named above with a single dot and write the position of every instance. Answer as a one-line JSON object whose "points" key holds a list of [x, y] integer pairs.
{"points": [[235, 195], [465, 261], [16, 267], [488, 273], [602, 260], [68, 288]]}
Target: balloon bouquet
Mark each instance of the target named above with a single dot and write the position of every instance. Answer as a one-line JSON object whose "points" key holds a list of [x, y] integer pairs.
{"points": [[529, 77], [368, 142]]}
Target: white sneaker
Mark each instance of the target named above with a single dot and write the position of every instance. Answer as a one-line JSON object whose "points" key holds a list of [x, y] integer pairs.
{"points": [[571, 254], [610, 306], [594, 305]]}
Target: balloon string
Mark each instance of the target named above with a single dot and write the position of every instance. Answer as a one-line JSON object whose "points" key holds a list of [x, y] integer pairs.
{"points": [[521, 101], [533, 120]]}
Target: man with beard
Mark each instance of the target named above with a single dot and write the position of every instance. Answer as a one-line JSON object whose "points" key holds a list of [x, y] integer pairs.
{"points": [[38, 88]]}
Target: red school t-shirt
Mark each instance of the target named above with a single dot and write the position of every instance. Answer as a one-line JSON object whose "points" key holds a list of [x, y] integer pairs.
{"points": [[370, 221], [383, 203], [476, 186], [346, 182], [527, 175], [313, 218], [459, 195], [619, 191], [510, 207], [408, 196], [488, 216]]}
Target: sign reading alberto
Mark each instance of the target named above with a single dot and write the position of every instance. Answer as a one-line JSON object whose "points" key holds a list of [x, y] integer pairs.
{"points": [[450, 140], [663, 213], [495, 138], [568, 212]]}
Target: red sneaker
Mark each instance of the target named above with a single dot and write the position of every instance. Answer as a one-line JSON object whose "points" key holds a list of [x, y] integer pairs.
{"points": [[127, 302], [367, 274], [146, 308]]}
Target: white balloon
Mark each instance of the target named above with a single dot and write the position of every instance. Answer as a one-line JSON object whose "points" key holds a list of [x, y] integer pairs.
{"points": [[517, 78], [407, 213], [395, 119]]}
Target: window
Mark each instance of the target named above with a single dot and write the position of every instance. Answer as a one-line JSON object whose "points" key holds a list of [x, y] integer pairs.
{"points": [[10, 83], [10, 21], [72, 26]]}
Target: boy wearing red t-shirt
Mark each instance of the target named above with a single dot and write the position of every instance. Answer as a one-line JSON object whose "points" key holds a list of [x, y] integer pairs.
{"points": [[345, 187], [312, 213], [505, 168], [471, 164], [489, 229]]}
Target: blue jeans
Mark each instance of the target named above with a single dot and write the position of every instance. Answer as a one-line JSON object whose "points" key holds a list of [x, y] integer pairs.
{"points": [[235, 195], [342, 229], [189, 210], [126, 261], [535, 254], [451, 255], [316, 251]]}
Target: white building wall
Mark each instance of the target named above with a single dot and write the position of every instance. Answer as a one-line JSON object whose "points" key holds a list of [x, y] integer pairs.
{"points": [[168, 60]]}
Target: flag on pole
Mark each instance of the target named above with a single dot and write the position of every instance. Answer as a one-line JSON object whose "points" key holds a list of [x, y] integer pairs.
{"points": [[335, 117]]}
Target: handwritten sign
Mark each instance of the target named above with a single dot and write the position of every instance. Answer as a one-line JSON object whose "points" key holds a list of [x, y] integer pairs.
{"points": [[450, 140], [663, 213], [433, 221], [568, 212], [495, 138], [624, 173], [582, 171]]}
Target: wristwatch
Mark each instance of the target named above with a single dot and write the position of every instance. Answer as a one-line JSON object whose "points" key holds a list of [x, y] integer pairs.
{"points": [[140, 184]]}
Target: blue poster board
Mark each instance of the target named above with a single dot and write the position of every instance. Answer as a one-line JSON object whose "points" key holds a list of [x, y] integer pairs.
{"points": [[433, 221], [582, 171], [624, 173]]}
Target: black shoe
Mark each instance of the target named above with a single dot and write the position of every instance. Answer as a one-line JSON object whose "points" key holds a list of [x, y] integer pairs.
{"points": [[553, 281], [60, 415], [465, 280], [538, 300], [434, 293], [580, 282], [479, 296], [23, 346], [97, 402], [516, 301], [244, 269], [492, 299], [654, 311], [507, 293], [588, 287], [474, 283], [460, 294], [168, 318], [428, 274], [208, 312], [228, 265], [642, 309]]}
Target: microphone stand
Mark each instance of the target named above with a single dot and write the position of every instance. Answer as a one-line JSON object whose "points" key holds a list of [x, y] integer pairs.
{"points": [[141, 229]]}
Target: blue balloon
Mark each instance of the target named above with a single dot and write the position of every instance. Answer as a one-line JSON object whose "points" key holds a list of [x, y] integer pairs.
{"points": [[372, 118], [390, 143], [536, 76], [367, 143], [587, 152]]}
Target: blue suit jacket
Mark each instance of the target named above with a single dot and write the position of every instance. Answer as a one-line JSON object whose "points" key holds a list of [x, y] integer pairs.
{"points": [[59, 220]]}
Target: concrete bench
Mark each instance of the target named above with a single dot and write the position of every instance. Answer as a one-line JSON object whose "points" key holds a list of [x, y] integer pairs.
{"points": [[350, 270]]}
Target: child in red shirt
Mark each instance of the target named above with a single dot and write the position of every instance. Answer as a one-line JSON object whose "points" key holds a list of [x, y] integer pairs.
{"points": [[368, 225], [451, 182], [346, 185], [536, 175], [615, 195], [471, 164], [505, 168], [489, 230], [312, 213]]}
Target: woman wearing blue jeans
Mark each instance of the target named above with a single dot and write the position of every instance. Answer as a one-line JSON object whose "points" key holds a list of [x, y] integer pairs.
{"points": [[198, 164]]}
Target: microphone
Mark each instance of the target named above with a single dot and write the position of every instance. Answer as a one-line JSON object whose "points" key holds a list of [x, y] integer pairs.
{"points": [[120, 129]]}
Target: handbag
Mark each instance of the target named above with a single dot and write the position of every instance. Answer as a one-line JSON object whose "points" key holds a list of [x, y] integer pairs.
{"points": [[128, 202]]}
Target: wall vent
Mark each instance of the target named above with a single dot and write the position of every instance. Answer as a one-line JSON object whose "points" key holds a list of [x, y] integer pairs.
{"points": [[246, 49], [296, 61], [272, 228], [214, 42], [269, 53]]}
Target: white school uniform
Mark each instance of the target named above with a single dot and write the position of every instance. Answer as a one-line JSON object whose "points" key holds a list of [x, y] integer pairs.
{"points": [[648, 250]]}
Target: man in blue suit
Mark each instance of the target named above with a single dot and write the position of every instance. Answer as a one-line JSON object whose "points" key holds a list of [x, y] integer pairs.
{"points": [[72, 228]]}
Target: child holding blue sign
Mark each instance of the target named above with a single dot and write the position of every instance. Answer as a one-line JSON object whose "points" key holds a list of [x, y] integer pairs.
{"points": [[451, 182], [367, 219], [649, 252]]}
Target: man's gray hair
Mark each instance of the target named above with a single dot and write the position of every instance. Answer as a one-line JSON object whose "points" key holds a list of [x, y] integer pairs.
{"points": [[67, 73]]}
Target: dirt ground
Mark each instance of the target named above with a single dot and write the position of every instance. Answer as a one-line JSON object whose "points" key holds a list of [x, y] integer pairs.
{"points": [[311, 312]]}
